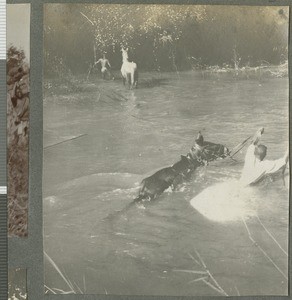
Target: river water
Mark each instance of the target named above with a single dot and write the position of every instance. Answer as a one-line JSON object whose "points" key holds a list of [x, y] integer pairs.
{"points": [[160, 248]]}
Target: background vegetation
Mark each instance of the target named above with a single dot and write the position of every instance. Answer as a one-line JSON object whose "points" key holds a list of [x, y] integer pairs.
{"points": [[163, 37], [17, 156]]}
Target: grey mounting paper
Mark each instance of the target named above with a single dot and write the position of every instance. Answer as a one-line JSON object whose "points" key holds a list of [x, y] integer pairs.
{"points": [[2, 29]]}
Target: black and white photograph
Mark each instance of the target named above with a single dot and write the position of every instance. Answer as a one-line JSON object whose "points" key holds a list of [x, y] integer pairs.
{"points": [[166, 149], [18, 67], [17, 284]]}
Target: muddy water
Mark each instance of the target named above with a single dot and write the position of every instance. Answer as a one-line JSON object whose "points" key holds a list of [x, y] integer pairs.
{"points": [[155, 248]]}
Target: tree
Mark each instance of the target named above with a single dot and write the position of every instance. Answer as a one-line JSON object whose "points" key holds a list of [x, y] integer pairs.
{"points": [[163, 37]]}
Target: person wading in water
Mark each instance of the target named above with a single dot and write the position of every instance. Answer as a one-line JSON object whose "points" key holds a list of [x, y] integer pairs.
{"points": [[104, 70], [255, 167]]}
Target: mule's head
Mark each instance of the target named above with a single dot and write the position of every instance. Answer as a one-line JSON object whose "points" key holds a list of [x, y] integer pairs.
{"points": [[213, 151], [124, 53], [207, 151]]}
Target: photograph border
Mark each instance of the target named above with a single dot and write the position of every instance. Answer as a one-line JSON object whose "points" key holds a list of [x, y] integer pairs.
{"points": [[28, 252]]}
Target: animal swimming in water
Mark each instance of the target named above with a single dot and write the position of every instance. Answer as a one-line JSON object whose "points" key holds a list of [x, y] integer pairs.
{"points": [[129, 70], [157, 183], [200, 154]]}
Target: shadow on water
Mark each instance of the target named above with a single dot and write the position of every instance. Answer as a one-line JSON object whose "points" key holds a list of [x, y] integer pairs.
{"points": [[143, 204], [116, 214], [152, 82]]}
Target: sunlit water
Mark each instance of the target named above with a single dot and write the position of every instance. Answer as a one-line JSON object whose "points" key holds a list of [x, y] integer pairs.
{"points": [[147, 249]]}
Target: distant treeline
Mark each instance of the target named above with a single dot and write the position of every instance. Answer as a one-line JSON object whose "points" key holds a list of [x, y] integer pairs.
{"points": [[163, 37]]}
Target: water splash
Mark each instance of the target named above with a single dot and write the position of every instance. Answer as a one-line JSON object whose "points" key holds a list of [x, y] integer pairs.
{"points": [[225, 202]]}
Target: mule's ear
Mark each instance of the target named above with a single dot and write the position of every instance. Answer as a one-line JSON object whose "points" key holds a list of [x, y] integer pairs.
{"points": [[200, 136], [200, 139]]}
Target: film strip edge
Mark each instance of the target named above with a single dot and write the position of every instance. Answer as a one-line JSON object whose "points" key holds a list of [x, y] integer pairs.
{"points": [[3, 177]]}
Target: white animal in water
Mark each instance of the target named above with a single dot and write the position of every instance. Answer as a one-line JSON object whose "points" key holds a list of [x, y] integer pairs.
{"points": [[129, 70]]}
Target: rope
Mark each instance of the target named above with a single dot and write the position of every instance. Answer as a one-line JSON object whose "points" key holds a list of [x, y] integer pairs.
{"points": [[240, 146], [74, 138]]}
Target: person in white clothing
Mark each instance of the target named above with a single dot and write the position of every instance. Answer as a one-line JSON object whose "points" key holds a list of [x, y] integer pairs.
{"points": [[255, 167]]}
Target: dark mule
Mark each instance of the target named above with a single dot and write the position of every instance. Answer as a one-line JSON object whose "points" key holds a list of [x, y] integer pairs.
{"points": [[200, 154], [153, 186], [156, 184]]}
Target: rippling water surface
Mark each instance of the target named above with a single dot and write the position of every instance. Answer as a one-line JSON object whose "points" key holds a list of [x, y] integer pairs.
{"points": [[160, 248]]}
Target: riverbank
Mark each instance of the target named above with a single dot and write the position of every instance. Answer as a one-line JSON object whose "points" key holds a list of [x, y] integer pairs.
{"points": [[74, 84]]}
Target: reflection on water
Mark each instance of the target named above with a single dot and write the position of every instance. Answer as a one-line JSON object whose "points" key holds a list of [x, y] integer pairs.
{"points": [[127, 135]]}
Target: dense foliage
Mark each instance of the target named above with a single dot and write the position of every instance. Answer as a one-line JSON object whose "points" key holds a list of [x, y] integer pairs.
{"points": [[17, 143], [163, 37]]}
